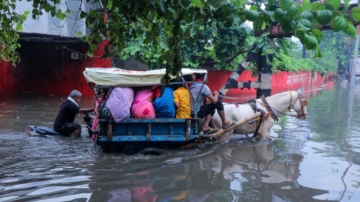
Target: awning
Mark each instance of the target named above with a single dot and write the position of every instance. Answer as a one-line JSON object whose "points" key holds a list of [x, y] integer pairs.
{"points": [[121, 77]]}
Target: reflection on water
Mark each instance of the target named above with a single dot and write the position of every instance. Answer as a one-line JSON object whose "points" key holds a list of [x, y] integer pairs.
{"points": [[309, 160]]}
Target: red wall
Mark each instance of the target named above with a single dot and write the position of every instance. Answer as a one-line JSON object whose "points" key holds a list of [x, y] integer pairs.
{"points": [[6, 77], [48, 68], [281, 81]]}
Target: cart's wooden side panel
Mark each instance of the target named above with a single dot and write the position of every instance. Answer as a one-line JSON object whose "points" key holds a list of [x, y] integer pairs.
{"points": [[149, 130]]}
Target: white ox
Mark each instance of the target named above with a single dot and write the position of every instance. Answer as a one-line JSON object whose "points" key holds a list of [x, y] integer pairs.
{"points": [[279, 104]]}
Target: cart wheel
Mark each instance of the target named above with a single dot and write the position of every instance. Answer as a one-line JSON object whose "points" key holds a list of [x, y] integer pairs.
{"points": [[150, 150], [105, 148]]}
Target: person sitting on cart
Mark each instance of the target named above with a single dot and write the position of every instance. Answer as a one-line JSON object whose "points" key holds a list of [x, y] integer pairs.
{"points": [[164, 104], [199, 92], [64, 122], [99, 99], [142, 107], [182, 99]]}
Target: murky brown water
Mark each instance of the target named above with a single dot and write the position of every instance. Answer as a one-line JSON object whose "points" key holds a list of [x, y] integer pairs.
{"points": [[313, 160]]}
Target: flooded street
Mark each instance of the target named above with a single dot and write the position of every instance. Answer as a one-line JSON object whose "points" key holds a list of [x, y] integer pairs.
{"points": [[317, 159]]}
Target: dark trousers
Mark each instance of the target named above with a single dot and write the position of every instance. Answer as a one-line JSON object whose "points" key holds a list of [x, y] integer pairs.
{"points": [[207, 109], [68, 128]]}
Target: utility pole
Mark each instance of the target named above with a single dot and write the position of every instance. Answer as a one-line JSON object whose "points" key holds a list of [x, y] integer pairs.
{"points": [[347, 53], [303, 52], [354, 62]]}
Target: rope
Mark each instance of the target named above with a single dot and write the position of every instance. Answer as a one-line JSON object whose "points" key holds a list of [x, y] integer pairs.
{"points": [[271, 111], [260, 121]]}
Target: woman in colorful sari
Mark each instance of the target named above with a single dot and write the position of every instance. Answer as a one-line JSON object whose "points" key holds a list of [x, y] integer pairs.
{"points": [[164, 104], [116, 107], [98, 100], [142, 106]]}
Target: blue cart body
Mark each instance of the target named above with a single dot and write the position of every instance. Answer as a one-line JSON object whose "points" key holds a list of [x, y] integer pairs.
{"points": [[158, 132]]}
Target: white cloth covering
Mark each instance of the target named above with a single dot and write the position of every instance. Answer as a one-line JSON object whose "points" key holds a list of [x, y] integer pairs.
{"points": [[121, 77]]}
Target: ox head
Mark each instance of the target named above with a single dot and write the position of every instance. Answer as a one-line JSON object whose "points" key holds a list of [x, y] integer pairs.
{"points": [[299, 105]]}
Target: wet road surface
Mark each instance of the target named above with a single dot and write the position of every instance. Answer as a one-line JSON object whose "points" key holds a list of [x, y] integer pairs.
{"points": [[316, 159]]}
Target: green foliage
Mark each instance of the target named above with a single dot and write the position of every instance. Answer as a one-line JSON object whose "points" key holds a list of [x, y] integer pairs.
{"points": [[215, 47], [334, 45], [292, 61], [168, 28], [176, 19], [277, 47], [288, 63], [287, 57], [10, 23]]}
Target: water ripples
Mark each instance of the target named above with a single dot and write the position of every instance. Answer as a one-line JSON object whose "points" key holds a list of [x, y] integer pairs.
{"points": [[306, 159]]}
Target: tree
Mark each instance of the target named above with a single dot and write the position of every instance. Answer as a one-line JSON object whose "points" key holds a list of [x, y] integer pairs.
{"points": [[214, 47], [338, 47], [165, 25], [10, 23], [335, 43]]}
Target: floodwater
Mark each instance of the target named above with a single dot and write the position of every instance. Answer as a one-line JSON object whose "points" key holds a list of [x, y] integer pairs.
{"points": [[317, 159]]}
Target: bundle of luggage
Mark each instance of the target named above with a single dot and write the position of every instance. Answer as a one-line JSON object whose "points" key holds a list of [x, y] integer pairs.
{"points": [[146, 103]]}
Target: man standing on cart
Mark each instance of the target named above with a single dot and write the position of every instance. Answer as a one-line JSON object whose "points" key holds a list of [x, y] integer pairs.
{"points": [[199, 92]]}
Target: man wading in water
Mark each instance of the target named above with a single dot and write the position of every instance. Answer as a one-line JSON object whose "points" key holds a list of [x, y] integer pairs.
{"points": [[64, 122]]}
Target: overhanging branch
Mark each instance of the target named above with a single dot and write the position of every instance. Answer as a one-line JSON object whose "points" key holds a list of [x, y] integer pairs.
{"points": [[230, 59]]}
